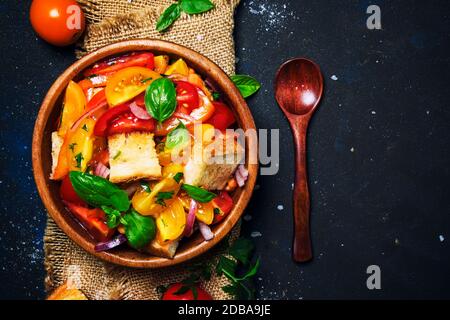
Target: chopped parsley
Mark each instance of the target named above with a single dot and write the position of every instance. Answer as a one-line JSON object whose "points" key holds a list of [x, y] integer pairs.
{"points": [[85, 128], [216, 96], [117, 155], [146, 79], [146, 187], [72, 146], [216, 211], [79, 158], [161, 196], [178, 177]]}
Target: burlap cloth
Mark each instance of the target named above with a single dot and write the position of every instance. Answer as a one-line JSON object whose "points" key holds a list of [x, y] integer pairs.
{"points": [[110, 21]]}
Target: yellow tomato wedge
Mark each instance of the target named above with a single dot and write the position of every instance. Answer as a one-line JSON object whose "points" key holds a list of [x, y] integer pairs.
{"points": [[73, 107], [144, 202], [128, 83], [203, 132], [171, 222], [178, 67], [81, 145], [196, 80], [205, 212], [161, 63], [171, 170]]}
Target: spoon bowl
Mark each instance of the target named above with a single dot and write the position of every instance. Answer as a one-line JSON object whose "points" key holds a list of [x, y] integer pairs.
{"points": [[298, 90]]}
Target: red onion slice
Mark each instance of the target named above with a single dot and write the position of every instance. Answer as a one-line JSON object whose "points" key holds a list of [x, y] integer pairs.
{"points": [[177, 76], [101, 170], [243, 171], [205, 230], [239, 178], [191, 218], [107, 245], [139, 112]]}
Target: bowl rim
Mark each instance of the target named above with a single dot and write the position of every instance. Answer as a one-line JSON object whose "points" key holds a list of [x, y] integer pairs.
{"points": [[207, 67]]}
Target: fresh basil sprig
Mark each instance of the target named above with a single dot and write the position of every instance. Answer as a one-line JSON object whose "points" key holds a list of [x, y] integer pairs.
{"points": [[168, 17], [241, 285], [196, 6], [160, 99], [139, 230], [247, 85], [172, 13], [98, 191], [178, 137], [198, 194]]}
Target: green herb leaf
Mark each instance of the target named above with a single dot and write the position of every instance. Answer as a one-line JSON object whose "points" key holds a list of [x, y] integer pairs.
{"points": [[198, 194], [112, 217], [79, 158], [196, 6], [242, 250], [161, 289], [139, 230], [178, 137], [146, 187], [146, 79], [216, 211], [161, 196], [117, 155], [178, 177], [182, 290], [98, 191], [246, 84], [160, 99], [216, 96], [72, 146], [169, 16], [85, 128]]}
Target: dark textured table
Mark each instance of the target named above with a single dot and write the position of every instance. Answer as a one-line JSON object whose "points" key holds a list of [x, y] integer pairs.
{"points": [[379, 148]]}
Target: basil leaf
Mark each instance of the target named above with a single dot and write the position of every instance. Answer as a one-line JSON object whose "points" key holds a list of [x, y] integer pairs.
{"points": [[160, 99], [168, 17], [241, 250], [198, 194], [178, 137], [161, 196], [139, 230], [246, 84], [98, 191], [112, 217], [196, 6]]}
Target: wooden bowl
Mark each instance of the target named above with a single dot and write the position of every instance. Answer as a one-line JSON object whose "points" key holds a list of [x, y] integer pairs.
{"points": [[49, 190]]}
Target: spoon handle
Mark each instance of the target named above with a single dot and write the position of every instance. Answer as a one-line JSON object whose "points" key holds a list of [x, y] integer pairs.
{"points": [[302, 242]]}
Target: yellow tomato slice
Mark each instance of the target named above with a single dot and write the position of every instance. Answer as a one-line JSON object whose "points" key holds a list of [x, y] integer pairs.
{"points": [[171, 222], [73, 107], [127, 83], [161, 63], [81, 145], [205, 212], [144, 202], [172, 169], [178, 67]]}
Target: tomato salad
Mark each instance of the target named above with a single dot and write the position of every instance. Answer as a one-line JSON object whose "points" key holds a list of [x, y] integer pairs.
{"points": [[113, 153]]}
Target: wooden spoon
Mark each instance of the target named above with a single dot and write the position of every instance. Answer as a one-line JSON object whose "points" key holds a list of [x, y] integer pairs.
{"points": [[298, 89]]}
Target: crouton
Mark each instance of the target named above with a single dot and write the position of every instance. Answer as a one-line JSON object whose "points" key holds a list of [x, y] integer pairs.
{"points": [[166, 250], [217, 164], [57, 143], [132, 156]]}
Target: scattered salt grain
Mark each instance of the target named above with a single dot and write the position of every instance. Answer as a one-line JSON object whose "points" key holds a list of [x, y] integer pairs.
{"points": [[247, 217], [352, 149], [374, 112], [441, 238], [334, 77], [280, 207], [256, 234]]}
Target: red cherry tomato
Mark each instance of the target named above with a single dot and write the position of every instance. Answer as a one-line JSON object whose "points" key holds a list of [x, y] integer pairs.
{"points": [[224, 203], [98, 99], [188, 295], [93, 220], [187, 95], [115, 64], [223, 117], [59, 22], [68, 193], [140, 100]]}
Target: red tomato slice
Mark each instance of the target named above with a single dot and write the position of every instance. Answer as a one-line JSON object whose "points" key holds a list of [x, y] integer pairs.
{"points": [[224, 203], [188, 295], [134, 60], [140, 100], [128, 122], [120, 120], [68, 193], [93, 220], [223, 117], [187, 95]]}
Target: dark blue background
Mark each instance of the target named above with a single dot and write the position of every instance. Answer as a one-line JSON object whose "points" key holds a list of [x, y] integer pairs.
{"points": [[378, 147]]}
